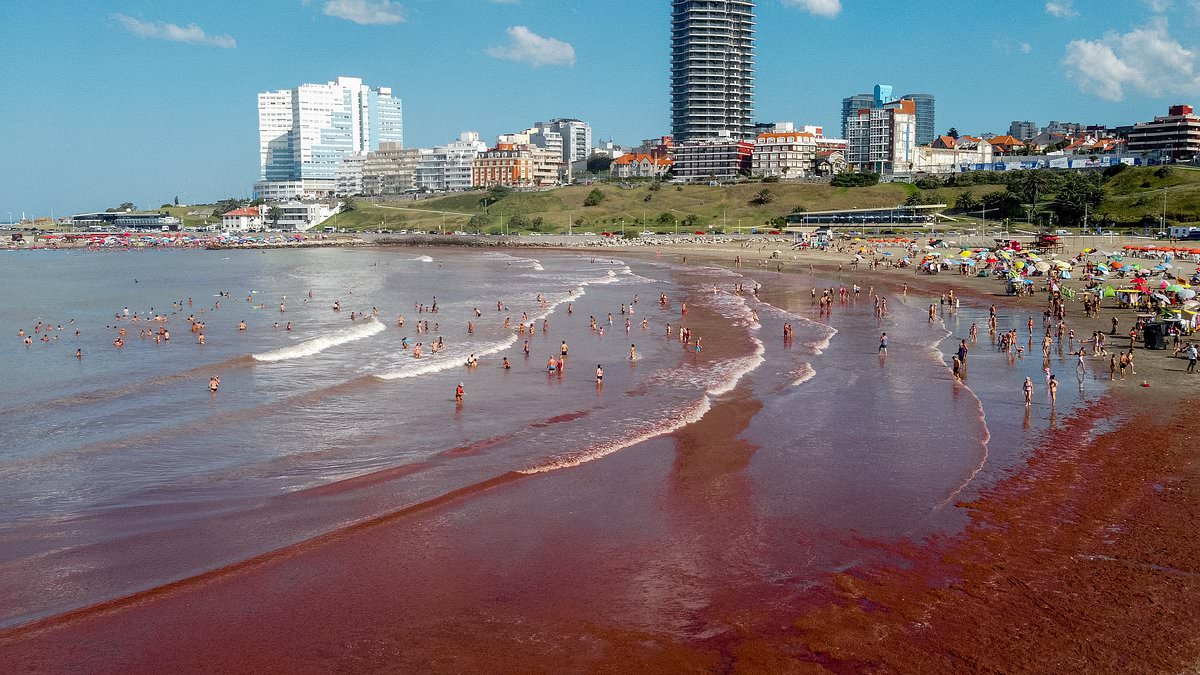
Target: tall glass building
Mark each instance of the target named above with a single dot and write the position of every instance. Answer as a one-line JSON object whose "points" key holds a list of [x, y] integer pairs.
{"points": [[712, 69], [305, 132], [850, 107], [926, 129]]}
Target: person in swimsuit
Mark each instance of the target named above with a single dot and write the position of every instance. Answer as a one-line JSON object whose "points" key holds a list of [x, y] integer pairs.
{"points": [[551, 365], [599, 375], [458, 393], [506, 365], [883, 340], [1028, 389], [214, 383]]}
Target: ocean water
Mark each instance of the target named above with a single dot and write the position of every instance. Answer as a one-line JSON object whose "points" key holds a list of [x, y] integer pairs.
{"points": [[121, 472]]}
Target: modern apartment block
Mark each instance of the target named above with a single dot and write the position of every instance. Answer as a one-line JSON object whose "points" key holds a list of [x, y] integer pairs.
{"points": [[576, 137], [712, 69], [883, 140], [850, 107], [447, 168], [1177, 135], [305, 132], [924, 106], [718, 160], [1023, 130], [390, 170]]}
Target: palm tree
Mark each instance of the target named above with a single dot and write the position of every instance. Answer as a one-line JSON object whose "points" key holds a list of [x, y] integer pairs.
{"points": [[274, 214], [1030, 184]]}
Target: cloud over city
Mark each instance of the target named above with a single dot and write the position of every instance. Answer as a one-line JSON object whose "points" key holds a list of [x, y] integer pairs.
{"points": [[1146, 59], [1063, 9], [525, 46], [160, 30], [366, 12], [825, 8]]}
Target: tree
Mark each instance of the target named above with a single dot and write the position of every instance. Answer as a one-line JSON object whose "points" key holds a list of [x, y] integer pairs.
{"points": [[666, 219], [495, 194], [518, 222], [226, 205], [655, 185], [598, 163], [763, 197], [176, 200], [479, 221], [953, 133], [1078, 195], [1030, 185], [855, 179], [691, 221], [125, 206], [348, 204], [594, 197], [966, 201], [1004, 203], [536, 223], [274, 214]]}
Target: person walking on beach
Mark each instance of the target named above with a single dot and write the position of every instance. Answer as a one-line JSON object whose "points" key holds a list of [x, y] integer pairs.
{"points": [[1028, 388], [1192, 353], [1052, 388]]}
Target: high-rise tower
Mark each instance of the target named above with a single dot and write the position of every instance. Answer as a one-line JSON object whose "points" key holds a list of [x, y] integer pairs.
{"points": [[712, 69]]}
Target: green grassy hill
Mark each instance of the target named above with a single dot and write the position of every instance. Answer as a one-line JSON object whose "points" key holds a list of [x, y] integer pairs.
{"points": [[639, 207], [1137, 193]]}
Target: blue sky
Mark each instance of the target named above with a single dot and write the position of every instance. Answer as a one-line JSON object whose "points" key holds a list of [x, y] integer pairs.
{"points": [[142, 100]]}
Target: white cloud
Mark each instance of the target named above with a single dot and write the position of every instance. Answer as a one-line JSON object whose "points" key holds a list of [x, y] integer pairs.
{"points": [[159, 30], [1025, 47], [825, 8], [1158, 6], [1146, 59], [1061, 8], [529, 47], [366, 12]]}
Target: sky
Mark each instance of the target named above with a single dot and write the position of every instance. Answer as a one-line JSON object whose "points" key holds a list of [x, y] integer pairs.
{"points": [[108, 101]]}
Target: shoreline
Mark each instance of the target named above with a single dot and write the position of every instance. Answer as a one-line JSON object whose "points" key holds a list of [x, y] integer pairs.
{"points": [[1026, 551]]}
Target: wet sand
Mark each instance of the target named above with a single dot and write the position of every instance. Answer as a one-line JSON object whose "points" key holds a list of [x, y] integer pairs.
{"points": [[1084, 559]]}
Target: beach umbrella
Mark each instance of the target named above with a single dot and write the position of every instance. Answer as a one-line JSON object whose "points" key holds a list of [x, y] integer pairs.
{"points": [[1186, 294], [1191, 305], [1042, 266], [1160, 297], [1174, 288], [1062, 264], [887, 252], [1066, 275]]}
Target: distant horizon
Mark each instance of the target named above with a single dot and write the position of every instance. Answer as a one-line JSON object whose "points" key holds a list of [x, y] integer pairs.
{"points": [[167, 106]]}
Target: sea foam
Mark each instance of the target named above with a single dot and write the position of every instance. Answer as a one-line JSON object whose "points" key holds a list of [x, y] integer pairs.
{"points": [[318, 345]]}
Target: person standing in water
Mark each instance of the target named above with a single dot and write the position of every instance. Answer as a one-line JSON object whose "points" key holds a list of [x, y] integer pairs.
{"points": [[632, 353], [883, 340], [1028, 389], [599, 375], [1052, 388], [458, 393]]}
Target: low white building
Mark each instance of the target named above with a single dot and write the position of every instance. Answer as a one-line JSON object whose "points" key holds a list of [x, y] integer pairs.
{"points": [[350, 176], [302, 216], [285, 190], [243, 219]]}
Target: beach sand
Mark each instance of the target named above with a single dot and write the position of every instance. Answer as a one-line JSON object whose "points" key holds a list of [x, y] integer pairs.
{"points": [[1082, 559]]}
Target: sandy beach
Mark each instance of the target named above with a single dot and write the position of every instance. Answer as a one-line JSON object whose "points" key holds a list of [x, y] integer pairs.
{"points": [[1083, 557]]}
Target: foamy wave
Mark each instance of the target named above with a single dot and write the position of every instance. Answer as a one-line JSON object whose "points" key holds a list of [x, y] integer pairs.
{"points": [[423, 258], [444, 362], [729, 374], [804, 374], [685, 417], [317, 345]]}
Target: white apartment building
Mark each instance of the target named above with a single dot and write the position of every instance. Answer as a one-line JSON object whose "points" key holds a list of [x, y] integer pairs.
{"points": [[447, 168], [306, 131], [390, 170], [576, 137], [349, 179], [883, 139]]}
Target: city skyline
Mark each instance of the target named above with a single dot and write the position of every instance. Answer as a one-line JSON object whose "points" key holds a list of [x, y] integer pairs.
{"points": [[141, 102]]}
